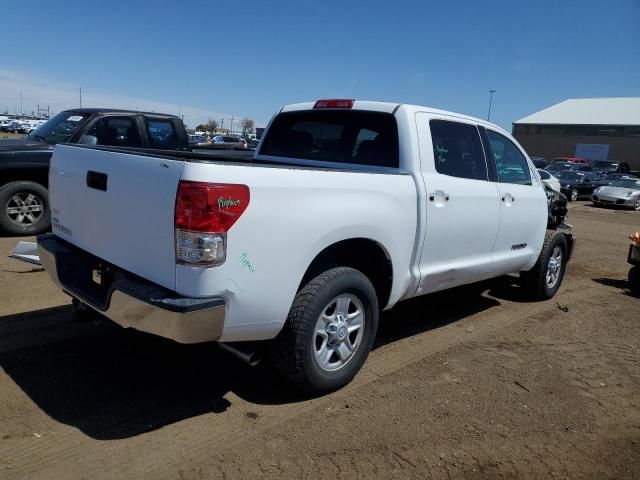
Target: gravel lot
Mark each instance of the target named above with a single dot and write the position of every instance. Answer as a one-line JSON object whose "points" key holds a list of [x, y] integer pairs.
{"points": [[471, 383]]}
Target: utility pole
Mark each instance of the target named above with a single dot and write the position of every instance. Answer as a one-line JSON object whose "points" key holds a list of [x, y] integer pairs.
{"points": [[231, 128], [80, 97], [20, 102], [491, 92]]}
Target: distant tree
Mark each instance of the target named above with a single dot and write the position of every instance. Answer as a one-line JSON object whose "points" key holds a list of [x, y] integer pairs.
{"points": [[247, 125], [210, 126]]}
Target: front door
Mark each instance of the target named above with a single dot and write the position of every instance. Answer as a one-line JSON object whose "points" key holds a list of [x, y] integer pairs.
{"points": [[523, 207], [462, 205]]}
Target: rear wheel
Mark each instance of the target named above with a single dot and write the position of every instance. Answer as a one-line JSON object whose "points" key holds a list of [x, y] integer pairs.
{"points": [[636, 207], [544, 279], [329, 331], [24, 208], [634, 281]]}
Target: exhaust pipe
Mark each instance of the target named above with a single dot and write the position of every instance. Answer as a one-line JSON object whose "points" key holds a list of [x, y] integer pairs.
{"points": [[242, 352]]}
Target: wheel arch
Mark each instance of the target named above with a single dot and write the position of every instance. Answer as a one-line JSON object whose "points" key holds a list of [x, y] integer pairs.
{"points": [[37, 175], [363, 254]]}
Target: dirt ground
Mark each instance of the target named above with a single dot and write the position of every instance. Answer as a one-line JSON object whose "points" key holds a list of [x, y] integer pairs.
{"points": [[471, 383]]}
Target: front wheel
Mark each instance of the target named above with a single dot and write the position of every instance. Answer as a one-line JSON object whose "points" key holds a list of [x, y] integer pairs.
{"points": [[329, 331], [636, 206], [24, 208], [544, 279], [574, 195]]}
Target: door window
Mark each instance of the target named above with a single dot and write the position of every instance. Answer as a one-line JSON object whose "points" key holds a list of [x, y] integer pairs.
{"points": [[511, 165], [457, 150], [116, 132]]}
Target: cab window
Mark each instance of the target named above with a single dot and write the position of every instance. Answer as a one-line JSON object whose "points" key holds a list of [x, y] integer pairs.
{"points": [[457, 150], [116, 132], [511, 165]]}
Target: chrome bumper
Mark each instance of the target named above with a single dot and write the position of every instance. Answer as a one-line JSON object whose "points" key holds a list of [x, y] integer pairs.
{"points": [[129, 300]]}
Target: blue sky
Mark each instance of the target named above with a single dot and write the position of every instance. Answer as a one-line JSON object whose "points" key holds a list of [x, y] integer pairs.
{"points": [[249, 58]]}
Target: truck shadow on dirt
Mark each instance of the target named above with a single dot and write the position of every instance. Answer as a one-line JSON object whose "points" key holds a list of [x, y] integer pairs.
{"points": [[114, 383]]}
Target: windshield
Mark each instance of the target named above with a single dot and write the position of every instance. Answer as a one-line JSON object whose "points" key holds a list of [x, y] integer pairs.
{"points": [[60, 127], [627, 183], [569, 176]]}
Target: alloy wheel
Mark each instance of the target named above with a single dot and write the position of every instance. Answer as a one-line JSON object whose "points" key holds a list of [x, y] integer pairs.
{"points": [[554, 267], [24, 209], [339, 332]]}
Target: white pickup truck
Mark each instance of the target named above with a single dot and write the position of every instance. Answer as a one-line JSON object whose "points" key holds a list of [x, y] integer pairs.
{"points": [[346, 208]]}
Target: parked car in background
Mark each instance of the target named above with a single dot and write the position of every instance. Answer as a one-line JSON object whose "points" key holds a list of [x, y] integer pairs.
{"points": [[230, 140], [549, 180], [195, 140], [539, 162], [580, 160], [605, 167], [622, 192], [559, 167], [226, 141], [24, 163], [614, 177], [579, 184], [578, 167], [347, 208]]}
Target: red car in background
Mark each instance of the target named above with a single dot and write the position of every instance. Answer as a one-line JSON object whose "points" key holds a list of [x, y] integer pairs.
{"points": [[576, 160]]}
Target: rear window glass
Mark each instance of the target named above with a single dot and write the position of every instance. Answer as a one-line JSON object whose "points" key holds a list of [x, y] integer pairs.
{"points": [[162, 134], [341, 136]]}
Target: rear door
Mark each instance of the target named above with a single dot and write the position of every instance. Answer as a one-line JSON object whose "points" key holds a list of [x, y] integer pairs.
{"points": [[463, 210], [117, 206], [523, 206]]}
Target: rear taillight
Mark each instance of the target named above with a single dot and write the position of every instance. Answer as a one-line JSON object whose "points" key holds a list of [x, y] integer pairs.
{"points": [[204, 214]]}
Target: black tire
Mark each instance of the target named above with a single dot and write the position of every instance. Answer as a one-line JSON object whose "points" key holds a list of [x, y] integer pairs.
{"points": [[535, 282], [634, 281], [9, 222], [293, 351]]}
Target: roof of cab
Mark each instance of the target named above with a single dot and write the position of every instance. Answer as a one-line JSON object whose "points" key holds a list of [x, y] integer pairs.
{"points": [[390, 107], [116, 110]]}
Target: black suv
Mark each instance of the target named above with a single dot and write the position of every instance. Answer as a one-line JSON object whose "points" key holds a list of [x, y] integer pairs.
{"points": [[24, 163]]}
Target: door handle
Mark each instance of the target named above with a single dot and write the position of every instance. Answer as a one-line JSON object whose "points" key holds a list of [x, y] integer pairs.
{"points": [[507, 197], [439, 197], [97, 180]]}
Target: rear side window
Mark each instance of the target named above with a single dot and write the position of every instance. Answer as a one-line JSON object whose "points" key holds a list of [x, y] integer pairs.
{"points": [[116, 132], [341, 136], [511, 165], [457, 150], [162, 134]]}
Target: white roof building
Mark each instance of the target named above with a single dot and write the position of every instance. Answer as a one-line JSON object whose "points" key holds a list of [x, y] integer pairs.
{"points": [[588, 111]]}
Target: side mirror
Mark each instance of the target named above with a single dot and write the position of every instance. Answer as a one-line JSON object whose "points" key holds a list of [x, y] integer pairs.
{"points": [[88, 140]]}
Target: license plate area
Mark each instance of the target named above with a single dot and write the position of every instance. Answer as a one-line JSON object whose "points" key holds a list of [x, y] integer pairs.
{"points": [[86, 276]]}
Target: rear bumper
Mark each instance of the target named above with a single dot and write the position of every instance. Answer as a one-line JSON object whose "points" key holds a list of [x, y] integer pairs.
{"points": [[129, 300]]}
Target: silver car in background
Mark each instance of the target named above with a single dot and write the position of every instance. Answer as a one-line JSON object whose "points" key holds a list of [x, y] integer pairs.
{"points": [[623, 192]]}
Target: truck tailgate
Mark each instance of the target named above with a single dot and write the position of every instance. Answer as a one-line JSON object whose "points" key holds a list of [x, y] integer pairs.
{"points": [[117, 206]]}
